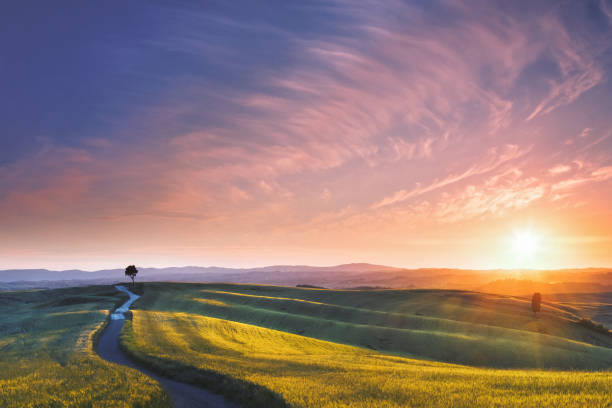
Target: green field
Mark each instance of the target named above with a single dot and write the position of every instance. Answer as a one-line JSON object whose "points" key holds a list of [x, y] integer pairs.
{"points": [[275, 346], [323, 348], [46, 355]]}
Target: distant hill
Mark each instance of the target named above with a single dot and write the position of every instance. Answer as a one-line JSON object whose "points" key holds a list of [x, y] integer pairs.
{"points": [[14, 275], [352, 267], [526, 287], [510, 282]]}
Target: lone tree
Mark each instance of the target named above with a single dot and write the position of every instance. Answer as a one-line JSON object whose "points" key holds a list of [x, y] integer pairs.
{"points": [[131, 271], [536, 303]]}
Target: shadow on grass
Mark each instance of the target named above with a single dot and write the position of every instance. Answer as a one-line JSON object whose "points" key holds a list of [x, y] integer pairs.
{"points": [[591, 325], [243, 392]]}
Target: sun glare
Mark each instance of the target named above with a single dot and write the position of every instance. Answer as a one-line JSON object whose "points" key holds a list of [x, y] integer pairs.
{"points": [[525, 243]]}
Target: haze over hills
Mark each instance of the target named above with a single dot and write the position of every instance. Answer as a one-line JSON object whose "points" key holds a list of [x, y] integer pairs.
{"points": [[354, 275], [14, 275]]}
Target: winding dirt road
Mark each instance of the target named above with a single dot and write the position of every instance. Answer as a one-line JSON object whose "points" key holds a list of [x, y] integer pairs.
{"points": [[182, 395]]}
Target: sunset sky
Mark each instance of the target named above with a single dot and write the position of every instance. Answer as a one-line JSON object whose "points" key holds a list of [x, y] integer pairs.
{"points": [[415, 133]]}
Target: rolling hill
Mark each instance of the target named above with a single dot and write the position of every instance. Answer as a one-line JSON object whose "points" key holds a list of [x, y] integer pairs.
{"points": [[392, 348]]}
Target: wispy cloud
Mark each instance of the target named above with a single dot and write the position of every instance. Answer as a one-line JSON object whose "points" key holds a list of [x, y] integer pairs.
{"points": [[493, 161], [579, 70], [323, 119], [560, 168]]}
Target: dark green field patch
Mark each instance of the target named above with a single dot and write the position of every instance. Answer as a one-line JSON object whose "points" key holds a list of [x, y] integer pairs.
{"points": [[46, 356]]}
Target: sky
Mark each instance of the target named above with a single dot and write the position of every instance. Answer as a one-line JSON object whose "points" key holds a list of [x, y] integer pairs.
{"points": [[405, 133]]}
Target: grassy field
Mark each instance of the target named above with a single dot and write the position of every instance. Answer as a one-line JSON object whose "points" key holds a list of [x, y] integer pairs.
{"points": [[288, 340], [46, 355], [450, 326]]}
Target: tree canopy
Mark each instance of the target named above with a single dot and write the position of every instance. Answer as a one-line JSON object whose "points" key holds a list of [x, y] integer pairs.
{"points": [[131, 271], [536, 302]]}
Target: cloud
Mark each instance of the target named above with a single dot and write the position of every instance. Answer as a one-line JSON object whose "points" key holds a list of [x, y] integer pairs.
{"points": [[366, 115], [493, 160], [602, 173], [577, 63], [560, 168], [599, 175], [585, 132], [490, 201]]}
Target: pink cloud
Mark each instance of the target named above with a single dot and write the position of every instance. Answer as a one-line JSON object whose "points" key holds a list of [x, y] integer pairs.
{"points": [[602, 173], [493, 160], [493, 200], [579, 68], [585, 132], [560, 168], [400, 124], [599, 175]]}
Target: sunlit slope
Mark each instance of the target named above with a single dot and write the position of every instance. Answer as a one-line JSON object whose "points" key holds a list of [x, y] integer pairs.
{"points": [[46, 356], [312, 373], [449, 326]]}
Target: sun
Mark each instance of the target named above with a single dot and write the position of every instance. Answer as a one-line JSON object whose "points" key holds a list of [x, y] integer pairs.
{"points": [[525, 243]]}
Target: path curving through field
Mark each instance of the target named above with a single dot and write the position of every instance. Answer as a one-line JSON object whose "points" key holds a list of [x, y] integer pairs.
{"points": [[183, 395]]}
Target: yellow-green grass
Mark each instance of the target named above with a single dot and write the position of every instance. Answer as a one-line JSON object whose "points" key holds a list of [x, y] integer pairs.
{"points": [[450, 326], [46, 355], [312, 373]]}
